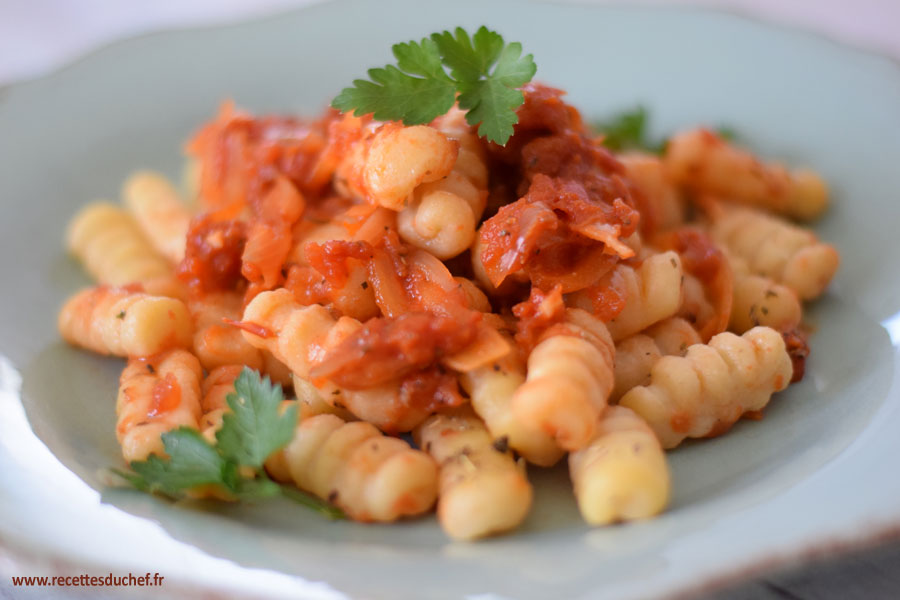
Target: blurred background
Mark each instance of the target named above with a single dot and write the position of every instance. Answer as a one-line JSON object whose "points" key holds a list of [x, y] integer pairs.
{"points": [[38, 35]]}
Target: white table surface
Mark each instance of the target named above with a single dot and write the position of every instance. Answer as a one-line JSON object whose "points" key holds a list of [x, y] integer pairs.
{"points": [[37, 36]]}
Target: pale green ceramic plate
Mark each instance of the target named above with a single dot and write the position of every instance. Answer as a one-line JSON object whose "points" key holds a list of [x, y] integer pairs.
{"points": [[820, 468]]}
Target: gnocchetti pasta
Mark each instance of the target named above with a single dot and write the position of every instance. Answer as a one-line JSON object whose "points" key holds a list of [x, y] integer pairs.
{"points": [[446, 311]]}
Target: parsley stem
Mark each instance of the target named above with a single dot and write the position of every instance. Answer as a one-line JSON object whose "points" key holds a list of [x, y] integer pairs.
{"points": [[323, 508]]}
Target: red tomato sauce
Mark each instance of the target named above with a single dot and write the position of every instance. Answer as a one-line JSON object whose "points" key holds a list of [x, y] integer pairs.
{"points": [[212, 257], [553, 231], [166, 396], [608, 296], [573, 205], [308, 285], [430, 389], [386, 349], [241, 156], [250, 327], [537, 314], [330, 258], [798, 350], [703, 259]]}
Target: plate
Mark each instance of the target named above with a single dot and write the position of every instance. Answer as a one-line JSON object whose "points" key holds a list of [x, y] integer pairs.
{"points": [[818, 470]]}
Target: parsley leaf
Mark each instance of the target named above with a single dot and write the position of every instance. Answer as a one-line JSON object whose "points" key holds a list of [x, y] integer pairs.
{"points": [[628, 131], [261, 486], [193, 461], [729, 134], [484, 73], [421, 59], [468, 61], [397, 96], [254, 429]]}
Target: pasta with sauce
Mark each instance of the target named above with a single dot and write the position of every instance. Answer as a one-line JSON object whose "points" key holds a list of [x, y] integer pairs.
{"points": [[498, 305]]}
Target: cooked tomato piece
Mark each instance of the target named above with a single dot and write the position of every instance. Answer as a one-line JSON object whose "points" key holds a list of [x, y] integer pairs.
{"points": [[386, 349]]}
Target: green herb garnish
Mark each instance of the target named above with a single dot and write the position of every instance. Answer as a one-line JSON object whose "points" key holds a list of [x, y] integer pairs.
{"points": [[628, 131], [254, 429], [484, 74], [727, 133]]}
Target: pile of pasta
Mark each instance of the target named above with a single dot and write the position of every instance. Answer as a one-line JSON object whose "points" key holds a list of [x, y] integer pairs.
{"points": [[447, 311]]}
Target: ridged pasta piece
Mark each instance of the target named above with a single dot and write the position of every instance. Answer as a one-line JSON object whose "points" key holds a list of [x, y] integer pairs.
{"points": [[307, 231], [790, 255], [110, 245], [708, 283], [652, 293], [216, 387], [189, 182], [169, 286], [216, 342], [513, 282], [442, 215], [649, 293], [758, 300], [491, 389], [636, 355], [482, 489], [355, 297], [276, 370], [622, 475], [311, 402], [298, 335], [386, 167], [370, 476], [159, 212], [696, 307], [660, 203], [705, 162], [475, 298], [383, 405], [156, 395], [276, 464], [294, 334], [570, 377], [122, 322], [703, 393]]}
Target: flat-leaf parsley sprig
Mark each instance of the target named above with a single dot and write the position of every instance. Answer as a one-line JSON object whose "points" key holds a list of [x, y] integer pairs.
{"points": [[484, 74], [254, 429]]}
